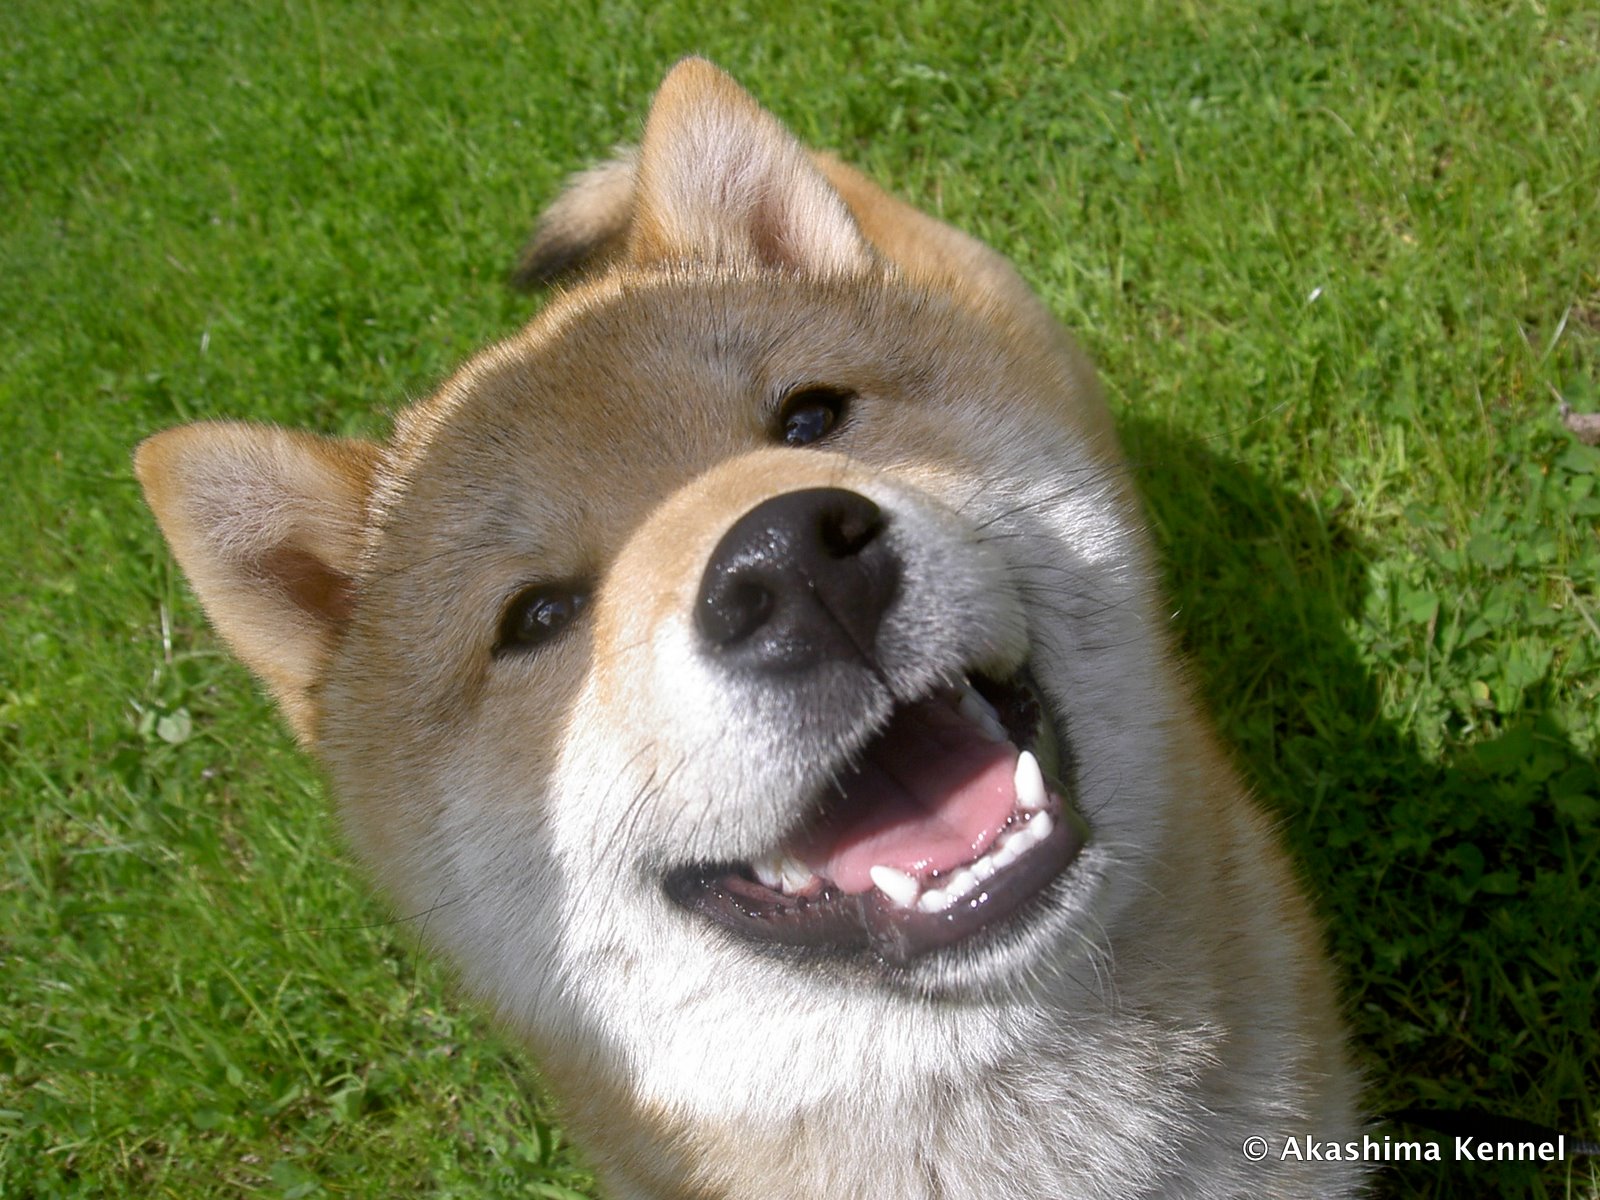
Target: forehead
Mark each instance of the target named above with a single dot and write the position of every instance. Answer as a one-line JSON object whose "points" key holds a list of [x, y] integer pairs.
{"points": [[562, 436]]}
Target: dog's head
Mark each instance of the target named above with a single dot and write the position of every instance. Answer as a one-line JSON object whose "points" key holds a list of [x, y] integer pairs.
{"points": [[766, 625]]}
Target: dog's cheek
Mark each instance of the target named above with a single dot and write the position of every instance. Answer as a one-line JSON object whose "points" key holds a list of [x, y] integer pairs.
{"points": [[436, 751]]}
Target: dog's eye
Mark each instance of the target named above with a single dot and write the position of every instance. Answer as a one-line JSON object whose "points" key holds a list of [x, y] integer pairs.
{"points": [[537, 614], [811, 413]]}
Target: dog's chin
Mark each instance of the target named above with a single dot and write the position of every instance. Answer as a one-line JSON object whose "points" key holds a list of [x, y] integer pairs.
{"points": [[941, 858]]}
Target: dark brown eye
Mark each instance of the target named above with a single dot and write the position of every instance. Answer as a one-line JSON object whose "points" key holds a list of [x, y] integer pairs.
{"points": [[537, 614], [811, 414]]}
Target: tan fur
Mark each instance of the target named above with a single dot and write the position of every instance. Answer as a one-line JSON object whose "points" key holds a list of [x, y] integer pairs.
{"points": [[1175, 999]]}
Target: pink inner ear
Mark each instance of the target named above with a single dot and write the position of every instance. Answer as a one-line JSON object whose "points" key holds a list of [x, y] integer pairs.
{"points": [[720, 180], [770, 231], [313, 586]]}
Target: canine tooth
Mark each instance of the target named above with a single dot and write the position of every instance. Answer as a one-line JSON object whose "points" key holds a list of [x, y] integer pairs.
{"points": [[1045, 748], [981, 713], [768, 872], [795, 875], [1029, 781], [897, 885], [935, 900]]}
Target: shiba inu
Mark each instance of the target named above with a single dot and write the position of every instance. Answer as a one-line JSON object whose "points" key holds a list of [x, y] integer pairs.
{"points": [[754, 665]]}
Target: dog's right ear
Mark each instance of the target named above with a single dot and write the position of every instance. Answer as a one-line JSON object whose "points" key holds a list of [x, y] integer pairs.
{"points": [[268, 526]]}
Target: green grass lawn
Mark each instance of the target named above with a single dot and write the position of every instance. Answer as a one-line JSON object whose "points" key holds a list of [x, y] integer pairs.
{"points": [[1338, 262]]}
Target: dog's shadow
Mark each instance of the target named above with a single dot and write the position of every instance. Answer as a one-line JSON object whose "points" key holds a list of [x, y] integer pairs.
{"points": [[1448, 887]]}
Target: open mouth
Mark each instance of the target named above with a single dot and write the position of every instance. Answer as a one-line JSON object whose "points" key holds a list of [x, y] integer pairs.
{"points": [[949, 822]]}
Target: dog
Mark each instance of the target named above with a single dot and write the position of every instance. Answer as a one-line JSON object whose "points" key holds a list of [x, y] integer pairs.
{"points": [[755, 669]]}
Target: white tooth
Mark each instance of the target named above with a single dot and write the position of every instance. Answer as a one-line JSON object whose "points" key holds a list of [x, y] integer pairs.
{"points": [[935, 900], [767, 871], [962, 882], [1029, 781], [1027, 836], [897, 885], [1009, 852], [985, 866], [796, 875], [981, 713], [1039, 827]]}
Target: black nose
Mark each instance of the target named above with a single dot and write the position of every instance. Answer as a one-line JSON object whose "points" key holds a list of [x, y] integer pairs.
{"points": [[801, 579]]}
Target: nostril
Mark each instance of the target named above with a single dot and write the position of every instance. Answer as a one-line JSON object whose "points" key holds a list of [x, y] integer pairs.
{"points": [[847, 530], [752, 600], [800, 579], [741, 609]]}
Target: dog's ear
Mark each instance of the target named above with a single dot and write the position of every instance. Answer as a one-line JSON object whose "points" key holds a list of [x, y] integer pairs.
{"points": [[716, 179], [586, 227], [720, 180], [268, 526]]}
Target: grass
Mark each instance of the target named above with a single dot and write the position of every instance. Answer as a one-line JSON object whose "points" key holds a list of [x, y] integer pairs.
{"points": [[1337, 262]]}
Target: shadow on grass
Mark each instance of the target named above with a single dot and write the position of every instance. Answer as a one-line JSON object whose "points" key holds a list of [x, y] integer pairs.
{"points": [[1455, 892]]}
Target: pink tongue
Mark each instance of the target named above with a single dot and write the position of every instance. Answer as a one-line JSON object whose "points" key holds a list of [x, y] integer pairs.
{"points": [[931, 794]]}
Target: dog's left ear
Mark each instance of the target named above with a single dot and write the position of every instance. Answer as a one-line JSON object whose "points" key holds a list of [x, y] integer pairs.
{"points": [[720, 180], [717, 179]]}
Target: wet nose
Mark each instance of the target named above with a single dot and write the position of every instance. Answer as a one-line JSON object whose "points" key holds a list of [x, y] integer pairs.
{"points": [[802, 579]]}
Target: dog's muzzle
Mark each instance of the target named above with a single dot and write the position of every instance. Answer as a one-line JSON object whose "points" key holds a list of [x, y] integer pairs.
{"points": [[951, 819]]}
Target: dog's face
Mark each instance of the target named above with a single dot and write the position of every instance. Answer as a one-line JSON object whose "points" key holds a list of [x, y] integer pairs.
{"points": [[763, 630]]}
